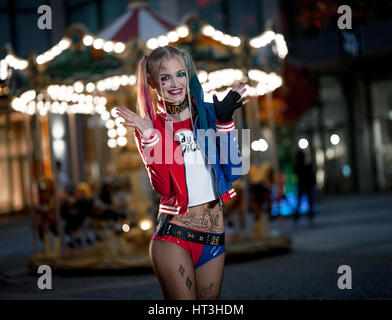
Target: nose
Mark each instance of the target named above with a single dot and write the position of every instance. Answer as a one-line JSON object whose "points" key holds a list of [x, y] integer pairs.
{"points": [[173, 82]]}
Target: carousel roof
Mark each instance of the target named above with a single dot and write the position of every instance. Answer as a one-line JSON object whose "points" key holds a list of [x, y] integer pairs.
{"points": [[140, 22]]}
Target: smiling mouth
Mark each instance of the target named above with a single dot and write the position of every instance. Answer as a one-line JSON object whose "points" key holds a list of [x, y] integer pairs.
{"points": [[175, 92]]}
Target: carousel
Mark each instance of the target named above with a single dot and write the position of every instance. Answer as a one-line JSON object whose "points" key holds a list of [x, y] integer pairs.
{"points": [[104, 218]]}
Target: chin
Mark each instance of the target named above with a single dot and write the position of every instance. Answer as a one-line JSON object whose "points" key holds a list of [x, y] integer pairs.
{"points": [[176, 101]]}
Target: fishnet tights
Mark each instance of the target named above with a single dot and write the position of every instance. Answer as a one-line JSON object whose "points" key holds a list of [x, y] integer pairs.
{"points": [[177, 276]]}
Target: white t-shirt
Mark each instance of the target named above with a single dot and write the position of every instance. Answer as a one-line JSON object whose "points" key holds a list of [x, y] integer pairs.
{"points": [[198, 172]]}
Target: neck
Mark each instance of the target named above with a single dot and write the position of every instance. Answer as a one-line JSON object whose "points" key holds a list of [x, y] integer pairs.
{"points": [[183, 115], [176, 108]]}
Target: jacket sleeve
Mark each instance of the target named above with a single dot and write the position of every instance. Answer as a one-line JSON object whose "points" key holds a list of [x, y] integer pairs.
{"points": [[230, 156], [151, 151]]}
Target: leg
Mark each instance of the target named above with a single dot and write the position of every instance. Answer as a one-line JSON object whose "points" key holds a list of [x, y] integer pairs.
{"points": [[209, 277], [174, 269], [296, 215], [310, 194]]}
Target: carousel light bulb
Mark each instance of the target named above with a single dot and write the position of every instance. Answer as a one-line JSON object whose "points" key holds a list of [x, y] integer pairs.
{"points": [[55, 106], [112, 133], [109, 124], [99, 108], [81, 98], [163, 41], [226, 40], [119, 47], [235, 41], [122, 141], [74, 97], [255, 43], [78, 86], [132, 80], [121, 131], [63, 107], [268, 36], [152, 43], [98, 43], [203, 76], [88, 40], [116, 81], [101, 85], [48, 56], [112, 143], [118, 121], [90, 87], [108, 46], [103, 100], [105, 116], [64, 44], [124, 80], [28, 96], [218, 35], [113, 112], [182, 31], [55, 50], [48, 105], [208, 30], [172, 36]]}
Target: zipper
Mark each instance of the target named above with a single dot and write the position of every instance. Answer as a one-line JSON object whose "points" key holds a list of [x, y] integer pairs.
{"points": [[213, 170]]}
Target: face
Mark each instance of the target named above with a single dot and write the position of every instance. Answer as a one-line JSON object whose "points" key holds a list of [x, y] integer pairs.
{"points": [[173, 81]]}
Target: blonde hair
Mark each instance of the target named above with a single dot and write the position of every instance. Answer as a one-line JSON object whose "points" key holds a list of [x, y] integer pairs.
{"points": [[148, 77]]}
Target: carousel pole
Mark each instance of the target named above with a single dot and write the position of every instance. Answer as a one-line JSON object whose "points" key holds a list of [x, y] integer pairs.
{"points": [[9, 161], [59, 240], [29, 147], [74, 147], [98, 145]]}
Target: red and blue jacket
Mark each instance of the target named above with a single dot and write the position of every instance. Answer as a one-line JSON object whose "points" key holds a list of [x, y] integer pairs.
{"points": [[167, 176]]}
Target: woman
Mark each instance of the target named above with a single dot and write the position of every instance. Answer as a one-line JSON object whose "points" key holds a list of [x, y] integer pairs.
{"points": [[187, 247]]}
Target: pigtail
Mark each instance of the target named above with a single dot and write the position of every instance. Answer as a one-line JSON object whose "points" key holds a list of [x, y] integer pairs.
{"points": [[195, 88], [145, 107]]}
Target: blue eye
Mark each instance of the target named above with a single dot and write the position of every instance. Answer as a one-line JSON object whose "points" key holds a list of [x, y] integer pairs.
{"points": [[181, 74]]}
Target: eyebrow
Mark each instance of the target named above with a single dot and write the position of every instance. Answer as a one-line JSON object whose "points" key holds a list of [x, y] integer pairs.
{"points": [[167, 74]]}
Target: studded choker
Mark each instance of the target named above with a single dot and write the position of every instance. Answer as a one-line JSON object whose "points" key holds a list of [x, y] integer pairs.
{"points": [[174, 109]]}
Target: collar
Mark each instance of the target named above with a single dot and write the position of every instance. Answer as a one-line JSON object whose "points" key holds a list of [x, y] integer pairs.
{"points": [[161, 111]]}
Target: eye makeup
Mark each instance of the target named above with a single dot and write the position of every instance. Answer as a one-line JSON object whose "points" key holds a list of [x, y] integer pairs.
{"points": [[166, 77]]}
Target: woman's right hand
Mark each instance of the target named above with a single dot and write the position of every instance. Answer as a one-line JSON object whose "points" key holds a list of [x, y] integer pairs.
{"points": [[133, 120]]}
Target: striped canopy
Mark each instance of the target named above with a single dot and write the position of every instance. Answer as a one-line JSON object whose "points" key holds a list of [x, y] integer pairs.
{"points": [[139, 21]]}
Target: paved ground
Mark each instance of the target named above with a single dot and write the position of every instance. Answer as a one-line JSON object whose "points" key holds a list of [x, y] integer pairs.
{"points": [[353, 231]]}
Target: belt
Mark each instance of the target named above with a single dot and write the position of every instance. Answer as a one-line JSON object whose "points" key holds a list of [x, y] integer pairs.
{"points": [[194, 236]]}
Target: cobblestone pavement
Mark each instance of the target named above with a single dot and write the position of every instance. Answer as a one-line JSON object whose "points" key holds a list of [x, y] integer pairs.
{"points": [[351, 230]]}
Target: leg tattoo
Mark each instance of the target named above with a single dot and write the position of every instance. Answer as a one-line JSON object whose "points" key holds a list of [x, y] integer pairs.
{"points": [[188, 283], [205, 291], [181, 270]]}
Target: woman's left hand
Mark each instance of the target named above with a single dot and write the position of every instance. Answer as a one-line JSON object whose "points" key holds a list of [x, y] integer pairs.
{"points": [[224, 109]]}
